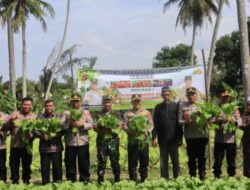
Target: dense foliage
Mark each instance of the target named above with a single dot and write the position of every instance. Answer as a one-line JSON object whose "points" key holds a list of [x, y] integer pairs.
{"points": [[180, 183]]}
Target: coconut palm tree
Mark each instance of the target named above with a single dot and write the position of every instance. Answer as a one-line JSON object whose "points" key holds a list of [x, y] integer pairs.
{"points": [[60, 51], [68, 62], [21, 11], [244, 46], [193, 13], [221, 3], [6, 19]]}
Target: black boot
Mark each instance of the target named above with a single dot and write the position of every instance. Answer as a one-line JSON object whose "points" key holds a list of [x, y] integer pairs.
{"points": [[117, 178], [100, 179], [26, 181], [15, 182]]}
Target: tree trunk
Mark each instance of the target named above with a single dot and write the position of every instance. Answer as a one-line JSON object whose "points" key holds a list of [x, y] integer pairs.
{"points": [[72, 73], [12, 69], [59, 53], [193, 44], [244, 46], [213, 45], [24, 90]]}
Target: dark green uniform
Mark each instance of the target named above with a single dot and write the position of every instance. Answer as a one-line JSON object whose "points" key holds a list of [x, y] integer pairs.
{"points": [[107, 144]]}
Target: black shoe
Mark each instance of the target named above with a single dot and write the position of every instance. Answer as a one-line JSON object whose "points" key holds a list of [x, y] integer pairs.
{"points": [[15, 182], [26, 181], [143, 179], [100, 179], [217, 176], [117, 178]]}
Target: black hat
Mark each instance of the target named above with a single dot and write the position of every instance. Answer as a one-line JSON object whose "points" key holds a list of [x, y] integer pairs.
{"points": [[106, 97], [191, 90]]}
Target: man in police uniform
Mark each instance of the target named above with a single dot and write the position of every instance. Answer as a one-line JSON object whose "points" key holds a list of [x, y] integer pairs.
{"points": [[225, 142], [18, 152], [196, 138], [107, 143], [3, 170], [77, 145], [135, 150]]}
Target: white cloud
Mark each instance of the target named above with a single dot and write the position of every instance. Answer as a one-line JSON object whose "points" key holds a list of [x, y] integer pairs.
{"points": [[122, 34]]}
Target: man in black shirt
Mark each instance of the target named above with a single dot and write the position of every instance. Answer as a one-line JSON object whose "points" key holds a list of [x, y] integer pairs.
{"points": [[50, 148], [168, 132]]}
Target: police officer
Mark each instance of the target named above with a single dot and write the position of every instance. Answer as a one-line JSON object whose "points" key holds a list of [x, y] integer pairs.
{"points": [[135, 150], [196, 139], [107, 143], [50, 149], [77, 144], [3, 134], [225, 141], [18, 151]]}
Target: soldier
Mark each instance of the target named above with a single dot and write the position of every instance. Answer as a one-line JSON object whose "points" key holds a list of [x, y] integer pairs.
{"points": [[3, 134], [135, 149], [246, 139], [50, 149], [107, 143], [225, 142], [77, 144], [18, 151], [196, 139], [168, 132]]}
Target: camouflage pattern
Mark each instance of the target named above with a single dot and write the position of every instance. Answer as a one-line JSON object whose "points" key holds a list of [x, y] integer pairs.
{"points": [[107, 144]]}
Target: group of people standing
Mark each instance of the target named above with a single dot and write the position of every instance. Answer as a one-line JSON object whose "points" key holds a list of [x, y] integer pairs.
{"points": [[167, 124]]}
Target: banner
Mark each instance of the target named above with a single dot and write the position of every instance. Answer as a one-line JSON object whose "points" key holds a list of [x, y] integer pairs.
{"points": [[121, 84]]}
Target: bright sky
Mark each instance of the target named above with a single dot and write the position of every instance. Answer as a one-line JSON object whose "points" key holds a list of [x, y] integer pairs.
{"points": [[123, 34]]}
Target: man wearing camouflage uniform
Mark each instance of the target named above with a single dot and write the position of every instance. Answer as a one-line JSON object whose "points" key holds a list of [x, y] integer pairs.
{"points": [[135, 150], [3, 134], [107, 143], [77, 145], [196, 138]]}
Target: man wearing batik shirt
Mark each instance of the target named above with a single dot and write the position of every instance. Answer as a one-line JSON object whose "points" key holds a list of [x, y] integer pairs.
{"points": [[50, 149], [18, 151], [77, 144], [3, 134], [137, 150]]}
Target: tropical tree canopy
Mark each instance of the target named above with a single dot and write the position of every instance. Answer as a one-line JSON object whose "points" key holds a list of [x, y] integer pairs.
{"points": [[193, 12], [173, 56], [21, 11]]}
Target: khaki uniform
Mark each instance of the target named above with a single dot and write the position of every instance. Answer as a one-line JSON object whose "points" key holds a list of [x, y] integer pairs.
{"points": [[196, 140], [18, 151], [82, 137], [3, 134], [137, 150], [191, 129], [77, 147], [225, 142]]}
